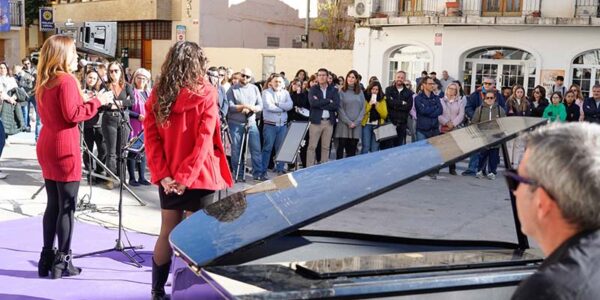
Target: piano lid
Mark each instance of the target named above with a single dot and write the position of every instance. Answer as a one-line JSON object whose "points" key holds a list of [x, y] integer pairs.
{"points": [[227, 227]]}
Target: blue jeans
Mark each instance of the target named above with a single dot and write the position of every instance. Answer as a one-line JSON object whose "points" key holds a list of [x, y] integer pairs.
{"points": [[2, 137], [419, 136], [25, 111], [237, 132], [272, 136], [473, 162], [489, 160], [369, 143], [38, 122]]}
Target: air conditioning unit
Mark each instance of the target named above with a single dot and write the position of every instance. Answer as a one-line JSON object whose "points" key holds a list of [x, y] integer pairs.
{"points": [[363, 8]]}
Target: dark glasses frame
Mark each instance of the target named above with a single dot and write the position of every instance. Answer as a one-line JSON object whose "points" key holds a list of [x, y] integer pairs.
{"points": [[513, 179], [246, 76]]}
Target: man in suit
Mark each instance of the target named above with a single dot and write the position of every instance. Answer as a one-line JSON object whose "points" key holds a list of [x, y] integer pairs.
{"points": [[591, 106], [324, 101]]}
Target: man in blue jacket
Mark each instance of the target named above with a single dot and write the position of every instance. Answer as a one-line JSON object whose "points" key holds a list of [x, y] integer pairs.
{"points": [[324, 101], [591, 106], [428, 108], [473, 102]]}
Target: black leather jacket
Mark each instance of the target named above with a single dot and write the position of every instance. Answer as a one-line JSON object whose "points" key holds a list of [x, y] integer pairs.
{"points": [[572, 271]]}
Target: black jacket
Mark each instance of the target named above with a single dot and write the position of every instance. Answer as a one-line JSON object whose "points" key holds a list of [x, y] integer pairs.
{"points": [[331, 102], [573, 112], [539, 110], [300, 101], [571, 272], [591, 111], [399, 104]]}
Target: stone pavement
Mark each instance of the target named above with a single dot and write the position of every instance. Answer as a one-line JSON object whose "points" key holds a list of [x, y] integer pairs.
{"points": [[451, 207]]}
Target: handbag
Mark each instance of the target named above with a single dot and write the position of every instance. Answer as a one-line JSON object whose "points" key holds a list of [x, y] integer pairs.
{"points": [[385, 132]]}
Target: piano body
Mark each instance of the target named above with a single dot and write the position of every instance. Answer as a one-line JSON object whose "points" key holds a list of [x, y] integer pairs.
{"points": [[254, 248]]}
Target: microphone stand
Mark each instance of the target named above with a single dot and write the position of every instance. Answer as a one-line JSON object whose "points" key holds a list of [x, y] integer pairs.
{"points": [[119, 247]]}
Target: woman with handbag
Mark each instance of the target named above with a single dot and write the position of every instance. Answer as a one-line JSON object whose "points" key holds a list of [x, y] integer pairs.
{"points": [[350, 113], [375, 114], [453, 115]]}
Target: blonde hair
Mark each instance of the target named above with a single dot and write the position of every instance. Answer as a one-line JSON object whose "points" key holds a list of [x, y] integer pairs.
{"points": [[53, 62]]}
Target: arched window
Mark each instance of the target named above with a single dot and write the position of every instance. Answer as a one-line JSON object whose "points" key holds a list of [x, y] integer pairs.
{"points": [[410, 59], [585, 70], [508, 66]]}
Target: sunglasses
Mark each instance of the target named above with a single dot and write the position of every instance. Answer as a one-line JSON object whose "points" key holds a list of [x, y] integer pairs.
{"points": [[491, 98], [115, 71], [246, 76], [513, 179], [487, 83]]}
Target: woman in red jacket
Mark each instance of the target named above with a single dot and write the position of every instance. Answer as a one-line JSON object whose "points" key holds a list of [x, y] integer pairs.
{"points": [[183, 146], [61, 106]]}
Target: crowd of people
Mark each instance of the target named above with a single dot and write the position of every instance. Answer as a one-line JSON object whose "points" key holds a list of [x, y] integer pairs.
{"points": [[344, 114]]}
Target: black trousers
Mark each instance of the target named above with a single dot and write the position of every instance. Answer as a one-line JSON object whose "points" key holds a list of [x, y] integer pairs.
{"points": [[401, 138], [93, 136], [114, 138], [58, 218], [350, 145]]}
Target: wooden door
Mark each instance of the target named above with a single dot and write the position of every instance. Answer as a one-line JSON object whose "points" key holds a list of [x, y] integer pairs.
{"points": [[504, 8], [147, 54], [2, 53]]}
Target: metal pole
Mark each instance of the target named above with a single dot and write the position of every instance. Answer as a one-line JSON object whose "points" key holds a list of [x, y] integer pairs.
{"points": [[307, 23]]}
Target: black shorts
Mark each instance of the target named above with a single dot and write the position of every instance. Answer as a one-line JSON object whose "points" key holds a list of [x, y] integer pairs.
{"points": [[191, 200]]}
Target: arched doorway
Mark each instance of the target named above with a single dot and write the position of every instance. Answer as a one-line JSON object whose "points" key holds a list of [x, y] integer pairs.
{"points": [[409, 58], [509, 66], [585, 70]]}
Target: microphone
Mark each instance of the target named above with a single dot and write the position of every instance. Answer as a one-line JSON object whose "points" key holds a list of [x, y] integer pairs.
{"points": [[84, 63]]}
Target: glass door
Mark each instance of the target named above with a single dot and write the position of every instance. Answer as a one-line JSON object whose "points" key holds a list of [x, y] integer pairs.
{"points": [[505, 74]]}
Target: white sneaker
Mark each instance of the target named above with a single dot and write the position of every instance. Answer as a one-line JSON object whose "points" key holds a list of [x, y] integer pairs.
{"points": [[3, 176], [491, 176], [479, 175]]}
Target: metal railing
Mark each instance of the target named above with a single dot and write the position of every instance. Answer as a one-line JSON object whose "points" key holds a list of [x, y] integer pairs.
{"points": [[16, 12]]}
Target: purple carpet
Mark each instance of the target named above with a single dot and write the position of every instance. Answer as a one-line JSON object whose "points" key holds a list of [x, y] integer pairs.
{"points": [[105, 276]]}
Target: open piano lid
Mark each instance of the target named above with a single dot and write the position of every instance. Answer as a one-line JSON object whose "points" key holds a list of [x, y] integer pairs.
{"points": [[225, 228]]}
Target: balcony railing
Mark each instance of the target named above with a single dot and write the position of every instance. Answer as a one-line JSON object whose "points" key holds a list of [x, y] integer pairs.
{"points": [[16, 13], [587, 8]]}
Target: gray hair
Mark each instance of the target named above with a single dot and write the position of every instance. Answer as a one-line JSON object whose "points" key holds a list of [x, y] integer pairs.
{"points": [[565, 160]]}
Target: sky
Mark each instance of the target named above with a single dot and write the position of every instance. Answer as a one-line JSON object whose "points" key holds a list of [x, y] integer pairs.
{"points": [[300, 5]]}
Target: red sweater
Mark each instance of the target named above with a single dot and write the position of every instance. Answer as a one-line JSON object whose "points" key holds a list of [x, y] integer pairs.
{"points": [[188, 148], [60, 109]]}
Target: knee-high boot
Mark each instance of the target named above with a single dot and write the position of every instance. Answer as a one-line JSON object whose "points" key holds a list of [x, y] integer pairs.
{"points": [[160, 274]]}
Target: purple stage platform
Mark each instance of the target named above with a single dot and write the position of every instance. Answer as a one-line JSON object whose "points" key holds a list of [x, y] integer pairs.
{"points": [[105, 276]]}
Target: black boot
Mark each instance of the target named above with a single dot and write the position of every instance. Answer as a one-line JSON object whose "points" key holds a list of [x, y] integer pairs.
{"points": [[46, 261], [160, 274], [63, 266]]}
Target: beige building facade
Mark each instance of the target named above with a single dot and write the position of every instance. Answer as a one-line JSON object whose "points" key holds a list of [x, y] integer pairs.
{"points": [[12, 43], [261, 34]]}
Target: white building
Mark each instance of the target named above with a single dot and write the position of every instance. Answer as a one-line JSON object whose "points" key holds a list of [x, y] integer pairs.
{"points": [[527, 42]]}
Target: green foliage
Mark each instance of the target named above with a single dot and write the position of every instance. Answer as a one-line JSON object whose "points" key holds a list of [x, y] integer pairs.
{"points": [[32, 8]]}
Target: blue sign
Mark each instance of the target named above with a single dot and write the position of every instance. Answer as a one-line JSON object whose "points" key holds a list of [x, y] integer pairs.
{"points": [[46, 19], [4, 15]]}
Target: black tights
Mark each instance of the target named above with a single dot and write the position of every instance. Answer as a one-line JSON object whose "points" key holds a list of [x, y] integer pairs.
{"points": [[58, 217]]}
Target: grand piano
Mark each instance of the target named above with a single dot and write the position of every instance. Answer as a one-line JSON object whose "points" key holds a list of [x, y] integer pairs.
{"points": [[254, 247]]}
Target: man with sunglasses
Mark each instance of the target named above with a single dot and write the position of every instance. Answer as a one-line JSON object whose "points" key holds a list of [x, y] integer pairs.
{"points": [[244, 102], [474, 101], [558, 206]]}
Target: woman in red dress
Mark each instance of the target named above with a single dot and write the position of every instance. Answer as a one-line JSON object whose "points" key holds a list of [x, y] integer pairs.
{"points": [[183, 147], [61, 106]]}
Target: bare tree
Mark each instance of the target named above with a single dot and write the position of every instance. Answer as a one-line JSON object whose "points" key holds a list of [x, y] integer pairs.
{"points": [[335, 24]]}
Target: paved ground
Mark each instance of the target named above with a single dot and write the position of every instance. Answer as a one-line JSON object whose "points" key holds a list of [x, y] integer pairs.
{"points": [[452, 207]]}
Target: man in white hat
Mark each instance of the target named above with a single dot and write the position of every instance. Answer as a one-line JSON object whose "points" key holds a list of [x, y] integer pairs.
{"points": [[244, 102]]}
